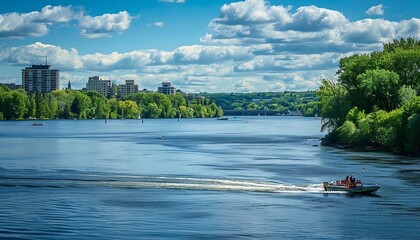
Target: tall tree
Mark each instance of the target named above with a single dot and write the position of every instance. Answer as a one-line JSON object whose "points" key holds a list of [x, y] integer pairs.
{"points": [[379, 89], [335, 102]]}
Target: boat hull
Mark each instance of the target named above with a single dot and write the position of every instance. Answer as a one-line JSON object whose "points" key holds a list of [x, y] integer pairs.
{"points": [[365, 189], [342, 187]]}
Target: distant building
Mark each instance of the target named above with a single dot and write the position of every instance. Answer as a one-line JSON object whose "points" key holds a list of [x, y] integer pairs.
{"points": [[128, 88], [102, 86], [69, 85], [40, 79], [144, 90], [166, 88], [11, 86]]}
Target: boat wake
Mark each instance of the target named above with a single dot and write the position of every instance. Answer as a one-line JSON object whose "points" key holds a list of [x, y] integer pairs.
{"points": [[140, 182]]}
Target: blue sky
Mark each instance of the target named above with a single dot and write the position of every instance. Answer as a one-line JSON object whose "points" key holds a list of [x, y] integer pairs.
{"points": [[212, 46]]}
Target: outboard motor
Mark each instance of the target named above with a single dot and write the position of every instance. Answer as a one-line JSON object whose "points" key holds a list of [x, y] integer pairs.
{"points": [[325, 185]]}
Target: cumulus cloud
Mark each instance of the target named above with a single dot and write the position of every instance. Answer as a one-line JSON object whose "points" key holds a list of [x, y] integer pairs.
{"points": [[245, 85], [37, 23], [371, 31], [376, 10], [36, 53], [313, 19], [104, 25], [258, 22], [252, 12], [56, 14]]}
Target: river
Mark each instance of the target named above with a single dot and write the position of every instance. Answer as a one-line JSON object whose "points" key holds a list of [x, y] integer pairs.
{"points": [[244, 178]]}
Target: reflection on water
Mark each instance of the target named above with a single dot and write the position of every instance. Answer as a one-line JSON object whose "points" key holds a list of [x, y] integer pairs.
{"points": [[249, 177]]}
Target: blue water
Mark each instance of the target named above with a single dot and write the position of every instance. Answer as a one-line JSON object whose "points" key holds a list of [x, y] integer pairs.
{"points": [[245, 178]]}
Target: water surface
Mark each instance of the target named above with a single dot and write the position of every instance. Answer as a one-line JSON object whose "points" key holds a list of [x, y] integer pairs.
{"points": [[248, 177]]}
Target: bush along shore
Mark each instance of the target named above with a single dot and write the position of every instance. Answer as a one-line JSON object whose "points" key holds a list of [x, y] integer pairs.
{"points": [[375, 102]]}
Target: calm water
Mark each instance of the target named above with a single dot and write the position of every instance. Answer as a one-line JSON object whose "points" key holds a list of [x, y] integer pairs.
{"points": [[248, 177]]}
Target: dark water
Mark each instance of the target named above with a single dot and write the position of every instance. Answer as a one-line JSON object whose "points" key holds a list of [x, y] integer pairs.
{"points": [[248, 177]]}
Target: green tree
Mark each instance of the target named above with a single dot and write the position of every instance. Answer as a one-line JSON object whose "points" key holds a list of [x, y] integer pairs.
{"points": [[64, 101], [335, 104], [405, 44], [406, 94], [13, 104], [186, 112], [53, 108], [152, 111], [81, 105], [379, 89], [100, 108], [32, 106], [390, 129], [346, 132], [113, 108], [130, 109]]}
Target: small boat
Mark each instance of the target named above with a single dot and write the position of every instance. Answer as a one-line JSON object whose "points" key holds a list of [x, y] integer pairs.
{"points": [[223, 118], [355, 186], [38, 124]]}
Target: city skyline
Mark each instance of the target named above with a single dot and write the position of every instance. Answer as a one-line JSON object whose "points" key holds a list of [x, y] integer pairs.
{"points": [[212, 46]]}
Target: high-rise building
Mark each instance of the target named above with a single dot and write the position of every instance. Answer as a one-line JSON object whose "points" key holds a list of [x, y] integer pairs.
{"points": [[40, 79], [128, 88], [166, 88], [102, 86]]}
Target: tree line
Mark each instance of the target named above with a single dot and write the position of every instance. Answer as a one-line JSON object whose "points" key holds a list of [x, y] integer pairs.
{"points": [[70, 104], [306, 101], [375, 101]]}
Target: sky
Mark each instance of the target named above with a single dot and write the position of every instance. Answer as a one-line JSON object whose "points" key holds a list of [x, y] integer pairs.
{"points": [[198, 45]]}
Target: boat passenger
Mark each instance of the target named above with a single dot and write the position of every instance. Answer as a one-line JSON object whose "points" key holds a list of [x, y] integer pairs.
{"points": [[352, 181]]}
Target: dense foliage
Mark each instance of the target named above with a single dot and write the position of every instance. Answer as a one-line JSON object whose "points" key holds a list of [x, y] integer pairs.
{"points": [[376, 100], [306, 102], [67, 104]]}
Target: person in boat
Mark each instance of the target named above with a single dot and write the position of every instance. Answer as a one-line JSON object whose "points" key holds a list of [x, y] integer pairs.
{"points": [[347, 178], [352, 181]]}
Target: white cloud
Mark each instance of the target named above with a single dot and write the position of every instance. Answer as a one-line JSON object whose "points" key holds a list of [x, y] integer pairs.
{"points": [[158, 24], [56, 14], [245, 85], [14, 25], [104, 25], [370, 31], [35, 23], [198, 54], [36, 53], [313, 19], [277, 87], [409, 27], [376, 10], [253, 22]]}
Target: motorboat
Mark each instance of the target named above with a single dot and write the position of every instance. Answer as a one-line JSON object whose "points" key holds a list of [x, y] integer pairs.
{"points": [[355, 186], [38, 124], [223, 118]]}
